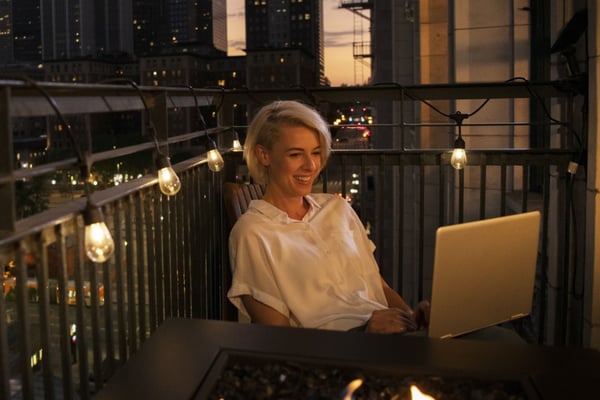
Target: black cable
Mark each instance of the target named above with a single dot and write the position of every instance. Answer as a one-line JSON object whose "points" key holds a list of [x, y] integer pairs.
{"points": [[200, 116], [415, 97], [146, 107], [82, 158]]}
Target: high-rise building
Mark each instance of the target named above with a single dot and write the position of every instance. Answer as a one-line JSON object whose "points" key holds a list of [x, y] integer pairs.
{"points": [[146, 23], [67, 29], [284, 43], [27, 31], [188, 26], [6, 34], [113, 29], [33, 30], [80, 28]]}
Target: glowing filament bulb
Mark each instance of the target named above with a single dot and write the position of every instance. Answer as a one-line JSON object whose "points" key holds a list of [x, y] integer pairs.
{"points": [[237, 145], [168, 181], [215, 160], [98, 242], [459, 155]]}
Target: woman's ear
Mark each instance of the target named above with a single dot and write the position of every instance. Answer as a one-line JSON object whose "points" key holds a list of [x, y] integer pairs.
{"points": [[262, 155]]}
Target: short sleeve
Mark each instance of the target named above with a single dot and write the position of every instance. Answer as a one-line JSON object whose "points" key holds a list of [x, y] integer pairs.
{"points": [[252, 270]]}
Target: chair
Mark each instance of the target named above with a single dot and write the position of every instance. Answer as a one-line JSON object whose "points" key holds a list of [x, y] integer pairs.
{"points": [[236, 199]]}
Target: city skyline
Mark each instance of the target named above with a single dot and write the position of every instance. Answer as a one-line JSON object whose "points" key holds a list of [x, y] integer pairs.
{"points": [[338, 32]]}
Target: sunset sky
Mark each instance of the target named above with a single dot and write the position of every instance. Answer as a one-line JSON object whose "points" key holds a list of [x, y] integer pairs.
{"points": [[340, 66]]}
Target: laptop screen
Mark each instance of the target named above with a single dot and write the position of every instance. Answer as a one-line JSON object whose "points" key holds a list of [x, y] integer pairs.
{"points": [[483, 273]]}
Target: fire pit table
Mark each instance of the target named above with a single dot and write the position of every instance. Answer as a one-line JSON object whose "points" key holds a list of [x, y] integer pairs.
{"points": [[203, 359]]}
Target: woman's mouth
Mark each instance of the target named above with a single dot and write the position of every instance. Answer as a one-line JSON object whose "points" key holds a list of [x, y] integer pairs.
{"points": [[303, 179]]}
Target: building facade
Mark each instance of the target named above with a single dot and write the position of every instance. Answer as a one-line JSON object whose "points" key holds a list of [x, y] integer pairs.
{"points": [[284, 43], [191, 26]]}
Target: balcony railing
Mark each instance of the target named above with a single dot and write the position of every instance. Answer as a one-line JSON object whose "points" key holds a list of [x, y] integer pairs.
{"points": [[70, 322]]}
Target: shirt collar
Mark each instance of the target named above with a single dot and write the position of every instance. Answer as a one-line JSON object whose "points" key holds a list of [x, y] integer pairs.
{"points": [[272, 212]]}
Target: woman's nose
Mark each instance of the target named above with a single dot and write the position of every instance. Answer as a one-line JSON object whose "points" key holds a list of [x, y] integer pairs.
{"points": [[310, 163]]}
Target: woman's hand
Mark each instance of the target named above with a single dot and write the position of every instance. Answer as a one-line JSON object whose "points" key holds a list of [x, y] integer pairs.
{"points": [[391, 320], [421, 314]]}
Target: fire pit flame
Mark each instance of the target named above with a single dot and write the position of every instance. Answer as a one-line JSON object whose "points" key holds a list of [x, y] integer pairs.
{"points": [[348, 392], [416, 394]]}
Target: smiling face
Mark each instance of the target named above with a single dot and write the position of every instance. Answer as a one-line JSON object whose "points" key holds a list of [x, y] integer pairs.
{"points": [[293, 162]]}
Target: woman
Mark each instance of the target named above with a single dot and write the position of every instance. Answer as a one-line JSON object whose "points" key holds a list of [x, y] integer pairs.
{"points": [[303, 259]]}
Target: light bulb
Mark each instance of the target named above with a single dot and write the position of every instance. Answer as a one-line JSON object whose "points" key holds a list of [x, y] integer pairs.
{"points": [[215, 160], [459, 155], [168, 181], [459, 158], [237, 146], [98, 242]]}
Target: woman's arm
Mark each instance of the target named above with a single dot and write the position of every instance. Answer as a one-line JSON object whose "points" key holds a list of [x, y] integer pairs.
{"points": [[263, 314], [393, 298], [399, 317]]}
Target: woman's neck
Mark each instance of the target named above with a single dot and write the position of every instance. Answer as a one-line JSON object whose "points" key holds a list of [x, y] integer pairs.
{"points": [[294, 207]]}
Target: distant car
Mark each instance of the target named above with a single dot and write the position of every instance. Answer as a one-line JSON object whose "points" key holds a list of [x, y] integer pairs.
{"points": [[352, 137]]}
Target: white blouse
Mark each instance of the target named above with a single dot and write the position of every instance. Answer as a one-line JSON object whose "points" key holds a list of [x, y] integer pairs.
{"points": [[319, 272]]}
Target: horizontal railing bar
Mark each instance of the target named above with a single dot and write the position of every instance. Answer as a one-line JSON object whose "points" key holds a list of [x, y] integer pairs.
{"points": [[465, 124], [428, 125], [43, 169], [39, 170], [433, 159], [391, 92], [97, 98], [533, 153]]}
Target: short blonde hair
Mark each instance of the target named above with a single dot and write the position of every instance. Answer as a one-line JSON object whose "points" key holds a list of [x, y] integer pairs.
{"points": [[265, 130]]}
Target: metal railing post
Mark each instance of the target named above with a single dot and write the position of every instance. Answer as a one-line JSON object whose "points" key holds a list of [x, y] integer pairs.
{"points": [[8, 216]]}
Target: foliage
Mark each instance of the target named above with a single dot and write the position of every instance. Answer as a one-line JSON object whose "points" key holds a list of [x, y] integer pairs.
{"points": [[32, 196]]}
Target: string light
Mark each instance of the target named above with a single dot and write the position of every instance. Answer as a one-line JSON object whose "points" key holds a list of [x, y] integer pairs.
{"points": [[98, 242], [459, 154], [168, 181], [237, 145], [215, 160], [213, 156]]}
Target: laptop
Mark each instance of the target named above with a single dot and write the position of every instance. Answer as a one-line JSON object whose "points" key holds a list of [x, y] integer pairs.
{"points": [[483, 273]]}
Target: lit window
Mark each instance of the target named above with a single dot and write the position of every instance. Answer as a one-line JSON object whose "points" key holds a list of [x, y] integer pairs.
{"points": [[307, 16], [234, 74], [221, 82]]}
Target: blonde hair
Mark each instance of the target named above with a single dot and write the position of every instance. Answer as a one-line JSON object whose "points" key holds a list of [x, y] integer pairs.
{"points": [[265, 130]]}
